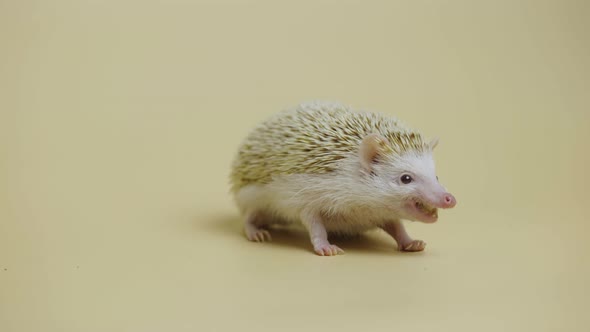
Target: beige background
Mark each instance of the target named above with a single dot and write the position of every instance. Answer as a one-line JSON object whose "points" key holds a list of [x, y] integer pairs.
{"points": [[118, 121]]}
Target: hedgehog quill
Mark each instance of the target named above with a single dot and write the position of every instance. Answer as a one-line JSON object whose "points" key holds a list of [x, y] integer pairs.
{"points": [[336, 170]]}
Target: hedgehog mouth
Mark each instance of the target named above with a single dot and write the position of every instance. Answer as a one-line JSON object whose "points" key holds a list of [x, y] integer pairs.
{"points": [[424, 212]]}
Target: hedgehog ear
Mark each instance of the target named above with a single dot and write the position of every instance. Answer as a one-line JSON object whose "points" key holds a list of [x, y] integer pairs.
{"points": [[433, 143], [371, 147]]}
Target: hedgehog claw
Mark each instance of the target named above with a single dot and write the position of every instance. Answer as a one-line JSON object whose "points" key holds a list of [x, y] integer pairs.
{"points": [[328, 250], [416, 245], [258, 235]]}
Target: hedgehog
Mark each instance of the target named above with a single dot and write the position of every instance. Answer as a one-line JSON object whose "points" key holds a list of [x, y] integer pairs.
{"points": [[336, 171]]}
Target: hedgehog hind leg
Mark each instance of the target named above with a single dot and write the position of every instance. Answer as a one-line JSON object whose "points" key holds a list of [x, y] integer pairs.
{"points": [[255, 231], [256, 222]]}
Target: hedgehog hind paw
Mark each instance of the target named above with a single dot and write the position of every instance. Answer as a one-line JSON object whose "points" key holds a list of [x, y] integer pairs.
{"points": [[255, 234]]}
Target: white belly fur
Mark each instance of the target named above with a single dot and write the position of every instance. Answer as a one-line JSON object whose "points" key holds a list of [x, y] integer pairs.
{"points": [[285, 198]]}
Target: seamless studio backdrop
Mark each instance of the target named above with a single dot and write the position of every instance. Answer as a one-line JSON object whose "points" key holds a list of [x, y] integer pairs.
{"points": [[119, 121]]}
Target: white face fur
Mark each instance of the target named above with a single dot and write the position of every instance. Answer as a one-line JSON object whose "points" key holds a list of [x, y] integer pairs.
{"points": [[405, 184]]}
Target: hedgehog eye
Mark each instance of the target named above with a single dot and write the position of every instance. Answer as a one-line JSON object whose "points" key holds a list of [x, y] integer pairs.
{"points": [[406, 179]]}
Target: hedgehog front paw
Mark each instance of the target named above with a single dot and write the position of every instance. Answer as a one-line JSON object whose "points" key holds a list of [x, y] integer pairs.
{"points": [[328, 250], [258, 235], [415, 245]]}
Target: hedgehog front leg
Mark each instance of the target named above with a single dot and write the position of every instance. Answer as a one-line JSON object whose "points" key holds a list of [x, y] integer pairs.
{"points": [[318, 235], [404, 242]]}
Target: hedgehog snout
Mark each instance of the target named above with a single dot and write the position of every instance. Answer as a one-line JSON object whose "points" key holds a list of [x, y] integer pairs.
{"points": [[448, 201]]}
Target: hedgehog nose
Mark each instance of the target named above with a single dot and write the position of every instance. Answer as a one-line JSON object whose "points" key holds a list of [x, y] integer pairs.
{"points": [[449, 201]]}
